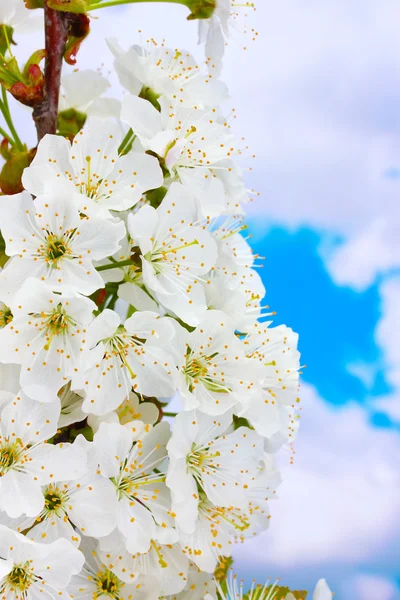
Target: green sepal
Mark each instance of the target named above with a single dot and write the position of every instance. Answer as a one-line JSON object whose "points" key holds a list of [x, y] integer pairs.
{"points": [[147, 93], [35, 59], [74, 6], [70, 122], [155, 197], [32, 4], [279, 593], [201, 9]]}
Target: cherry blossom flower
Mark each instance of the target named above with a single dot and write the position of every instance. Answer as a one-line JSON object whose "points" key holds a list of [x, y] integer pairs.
{"points": [[121, 356], [274, 351], [97, 581], [46, 337], [214, 534], [214, 374], [164, 563], [206, 454], [26, 461], [215, 31], [143, 511], [157, 70], [175, 253], [48, 239], [83, 91], [92, 167], [29, 570], [190, 143], [85, 504]]}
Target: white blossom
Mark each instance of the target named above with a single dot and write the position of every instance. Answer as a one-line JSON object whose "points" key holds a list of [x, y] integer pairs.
{"points": [[157, 70], [213, 373], [274, 351], [124, 356], [46, 336], [165, 564], [47, 238], [30, 570], [216, 30], [83, 504], [190, 144], [143, 511], [205, 453], [92, 167], [175, 253], [26, 461], [96, 580], [83, 91]]}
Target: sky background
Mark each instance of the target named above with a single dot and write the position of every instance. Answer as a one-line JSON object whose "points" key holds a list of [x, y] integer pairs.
{"points": [[318, 99]]}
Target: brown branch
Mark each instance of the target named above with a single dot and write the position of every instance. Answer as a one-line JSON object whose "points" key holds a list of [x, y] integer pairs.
{"points": [[57, 26]]}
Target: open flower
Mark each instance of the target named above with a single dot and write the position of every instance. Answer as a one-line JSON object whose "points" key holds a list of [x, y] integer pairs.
{"points": [[30, 570], [214, 534], [83, 503], [46, 337], [175, 253], [273, 351], [143, 511], [164, 564], [206, 454], [48, 239], [214, 375], [92, 167], [161, 71], [190, 143], [26, 461], [97, 581], [215, 31], [83, 92], [134, 354]]}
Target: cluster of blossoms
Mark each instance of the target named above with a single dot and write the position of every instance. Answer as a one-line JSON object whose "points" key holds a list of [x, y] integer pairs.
{"points": [[128, 288]]}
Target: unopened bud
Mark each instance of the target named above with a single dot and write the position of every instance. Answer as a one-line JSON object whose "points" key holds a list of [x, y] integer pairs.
{"points": [[11, 173]]}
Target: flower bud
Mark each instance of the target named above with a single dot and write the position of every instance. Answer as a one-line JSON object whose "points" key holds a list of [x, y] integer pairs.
{"points": [[11, 173], [26, 86]]}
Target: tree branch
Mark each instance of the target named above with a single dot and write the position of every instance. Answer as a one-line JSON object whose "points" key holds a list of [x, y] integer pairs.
{"points": [[57, 30]]}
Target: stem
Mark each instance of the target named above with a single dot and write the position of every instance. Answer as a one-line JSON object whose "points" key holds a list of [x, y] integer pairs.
{"points": [[116, 265], [117, 2], [57, 30], [169, 414], [7, 117]]}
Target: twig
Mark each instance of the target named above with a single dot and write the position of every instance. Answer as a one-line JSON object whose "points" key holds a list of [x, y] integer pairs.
{"points": [[57, 30]]}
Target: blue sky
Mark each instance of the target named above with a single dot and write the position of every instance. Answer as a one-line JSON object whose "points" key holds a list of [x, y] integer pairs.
{"points": [[335, 324], [318, 97]]}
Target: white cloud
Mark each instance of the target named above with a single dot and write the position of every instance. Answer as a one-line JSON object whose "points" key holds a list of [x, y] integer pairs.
{"points": [[372, 587], [375, 251], [338, 504], [387, 337]]}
